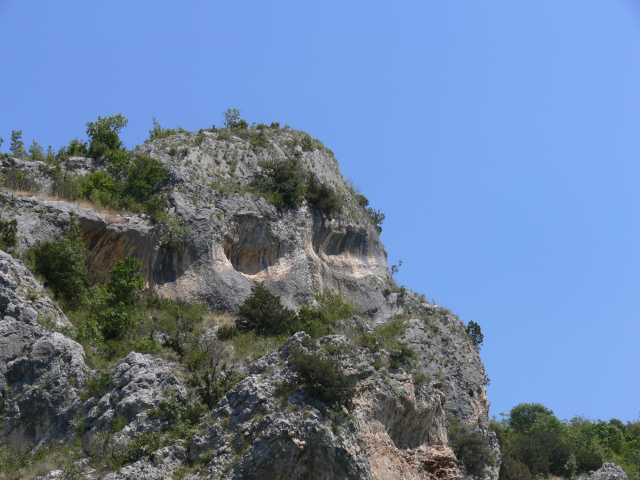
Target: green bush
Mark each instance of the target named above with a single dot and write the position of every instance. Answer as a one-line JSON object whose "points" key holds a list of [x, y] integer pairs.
{"points": [[158, 132], [62, 264], [282, 182], [125, 281], [225, 332], [286, 184], [131, 182], [76, 148], [104, 134], [65, 185], [376, 217], [211, 386], [322, 196], [323, 378], [8, 235], [263, 313], [317, 320], [401, 355], [470, 447], [115, 322], [145, 178], [16, 179]]}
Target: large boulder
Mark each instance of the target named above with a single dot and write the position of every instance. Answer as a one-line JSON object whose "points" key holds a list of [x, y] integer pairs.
{"points": [[42, 372]]}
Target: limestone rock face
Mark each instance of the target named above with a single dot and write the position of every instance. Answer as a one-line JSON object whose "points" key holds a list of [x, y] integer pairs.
{"points": [[41, 372], [261, 431], [138, 384], [222, 238], [229, 239]]}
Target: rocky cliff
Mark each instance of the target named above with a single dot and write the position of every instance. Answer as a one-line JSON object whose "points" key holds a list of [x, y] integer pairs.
{"points": [[222, 237]]}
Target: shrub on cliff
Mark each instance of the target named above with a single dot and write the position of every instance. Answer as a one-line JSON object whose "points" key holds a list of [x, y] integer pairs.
{"points": [[263, 313], [471, 447], [286, 184], [104, 134], [62, 264], [8, 235], [323, 377]]}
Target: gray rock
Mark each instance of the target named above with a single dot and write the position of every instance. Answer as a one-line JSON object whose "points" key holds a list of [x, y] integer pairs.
{"points": [[260, 431], [41, 372], [608, 471], [227, 238], [138, 384]]}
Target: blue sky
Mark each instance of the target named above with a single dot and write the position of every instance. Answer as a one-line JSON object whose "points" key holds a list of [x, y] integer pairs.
{"points": [[501, 140]]}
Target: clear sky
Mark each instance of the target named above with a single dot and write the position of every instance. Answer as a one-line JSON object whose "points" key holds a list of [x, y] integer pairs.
{"points": [[501, 140]]}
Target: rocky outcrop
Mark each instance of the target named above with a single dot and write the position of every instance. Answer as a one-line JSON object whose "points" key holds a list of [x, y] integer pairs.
{"points": [[230, 238], [138, 384], [220, 238], [265, 429], [608, 471], [41, 372]]}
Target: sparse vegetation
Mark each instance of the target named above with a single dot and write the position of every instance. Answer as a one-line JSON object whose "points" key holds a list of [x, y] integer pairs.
{"points": [[286, 184]]}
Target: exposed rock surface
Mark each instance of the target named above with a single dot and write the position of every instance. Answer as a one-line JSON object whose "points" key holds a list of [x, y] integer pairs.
{"points": [[261, 430], [229, 238], [233, 239], [138, 384], [608, 471], [41, 372]]}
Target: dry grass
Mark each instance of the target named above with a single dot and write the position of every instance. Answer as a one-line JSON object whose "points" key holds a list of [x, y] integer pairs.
{"points": [[224, 319], [109, 215]]}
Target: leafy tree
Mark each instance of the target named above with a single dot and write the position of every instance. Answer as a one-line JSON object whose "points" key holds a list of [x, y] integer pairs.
{"points": [[17, 145], [125, 281], [36, 152], [104, 134], [470, 446], [230, 116], [263, 313], [474, 331], [542, 451], [528, 417], [62, 264], [1, 141]]}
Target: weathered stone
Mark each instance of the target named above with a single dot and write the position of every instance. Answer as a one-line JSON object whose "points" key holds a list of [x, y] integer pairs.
{"points": [[41, 372], [608, 471]]}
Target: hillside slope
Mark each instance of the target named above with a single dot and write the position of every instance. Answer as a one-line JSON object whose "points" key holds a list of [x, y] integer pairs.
{"points": [[221, 234]]}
